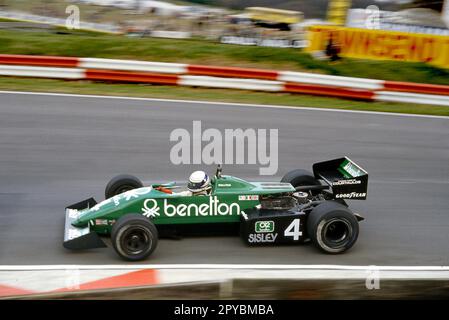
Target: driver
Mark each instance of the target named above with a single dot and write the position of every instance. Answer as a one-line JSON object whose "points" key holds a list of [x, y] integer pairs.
{"points": [[199, 183]]}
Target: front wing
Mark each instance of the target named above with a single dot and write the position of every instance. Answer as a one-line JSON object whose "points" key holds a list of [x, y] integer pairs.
{"points": [[80, 238]]}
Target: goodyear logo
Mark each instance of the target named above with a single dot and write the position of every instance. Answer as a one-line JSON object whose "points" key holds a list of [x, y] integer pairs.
{"points": [[264, 226]]}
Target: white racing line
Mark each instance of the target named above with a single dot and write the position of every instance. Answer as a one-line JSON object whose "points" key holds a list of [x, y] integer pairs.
{"points": [[224, 104]]}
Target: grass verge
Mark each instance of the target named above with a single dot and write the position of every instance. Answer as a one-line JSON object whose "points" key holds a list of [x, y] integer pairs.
{"points": [[204, 94]]}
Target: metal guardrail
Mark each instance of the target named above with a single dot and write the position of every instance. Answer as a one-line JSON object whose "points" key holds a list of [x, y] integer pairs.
{"points": [[42, 72], [408, 97], [222, 77]]}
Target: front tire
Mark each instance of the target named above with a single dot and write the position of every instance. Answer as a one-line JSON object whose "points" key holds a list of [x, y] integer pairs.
{"points": [[332, 227], [134, 237], [120, 184]]}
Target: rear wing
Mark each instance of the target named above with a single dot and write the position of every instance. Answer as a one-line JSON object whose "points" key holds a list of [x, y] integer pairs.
{"points": [[347, 179]]}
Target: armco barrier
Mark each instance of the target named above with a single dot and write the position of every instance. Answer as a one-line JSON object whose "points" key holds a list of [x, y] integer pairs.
{"points": [[181, 80], [131, 65], [42, 72], [245, 84], [416, 87], [126, 76], [336, 81], [221, 77], [328, 91], [180, 68], [38, 60], [233, 72], [391, 96]]}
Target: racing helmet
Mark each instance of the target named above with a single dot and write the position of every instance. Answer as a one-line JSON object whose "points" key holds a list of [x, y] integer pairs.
{"points": [[199, 182]]}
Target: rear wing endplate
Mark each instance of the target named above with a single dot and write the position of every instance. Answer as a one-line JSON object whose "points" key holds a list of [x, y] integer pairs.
{"points": [[347, 179]]}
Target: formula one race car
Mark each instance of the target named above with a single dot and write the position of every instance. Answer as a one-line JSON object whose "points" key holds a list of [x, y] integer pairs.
{"points": [[303, 206]]}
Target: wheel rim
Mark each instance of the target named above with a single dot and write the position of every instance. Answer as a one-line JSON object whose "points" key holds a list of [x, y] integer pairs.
{"points": [[136, 240], [337, 232]]}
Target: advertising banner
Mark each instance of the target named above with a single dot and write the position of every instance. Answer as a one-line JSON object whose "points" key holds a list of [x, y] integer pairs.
{"points": [[381, 44]]}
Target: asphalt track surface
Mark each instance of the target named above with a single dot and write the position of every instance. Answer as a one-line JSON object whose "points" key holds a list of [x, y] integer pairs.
{"points": [[58, 150]]}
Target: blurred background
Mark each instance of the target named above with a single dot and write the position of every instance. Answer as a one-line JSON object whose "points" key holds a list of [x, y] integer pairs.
{"points": [[396, 40], [246, 19]]}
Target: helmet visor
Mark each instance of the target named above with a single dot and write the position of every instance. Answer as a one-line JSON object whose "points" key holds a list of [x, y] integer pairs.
{"points": [[198, 186]]}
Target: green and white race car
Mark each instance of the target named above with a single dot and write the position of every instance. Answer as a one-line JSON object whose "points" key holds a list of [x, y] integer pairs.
{"points": [[303, 206]]}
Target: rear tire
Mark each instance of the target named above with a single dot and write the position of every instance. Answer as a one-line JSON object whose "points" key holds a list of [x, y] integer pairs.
{"points": [[300, 177], [120, 184], [134, 237], [332, 227]]}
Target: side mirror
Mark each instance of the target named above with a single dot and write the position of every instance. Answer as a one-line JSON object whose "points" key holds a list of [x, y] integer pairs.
{"points": [[218, 173]]}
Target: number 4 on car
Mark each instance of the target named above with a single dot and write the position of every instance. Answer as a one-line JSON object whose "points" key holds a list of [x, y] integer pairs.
{"points": [[303, 207]]}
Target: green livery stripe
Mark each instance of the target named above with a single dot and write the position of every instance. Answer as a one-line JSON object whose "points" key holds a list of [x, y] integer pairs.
{"points": [[349, 169], [344, 173]]}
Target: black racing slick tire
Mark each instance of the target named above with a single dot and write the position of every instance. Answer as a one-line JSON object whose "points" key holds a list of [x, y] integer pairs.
{"points": [[134, 237], [120, 184], [332, 227]]}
